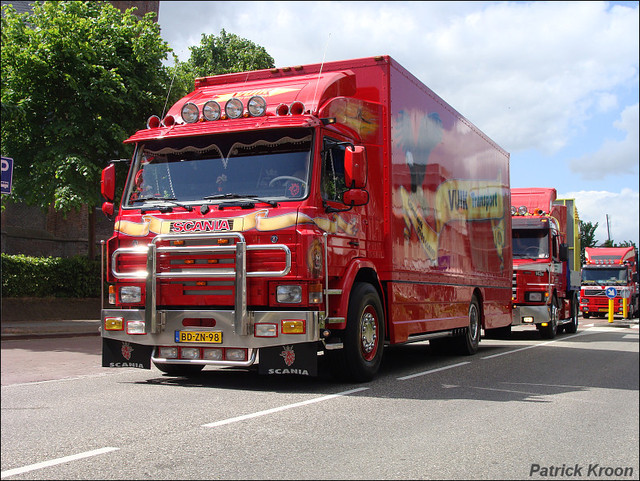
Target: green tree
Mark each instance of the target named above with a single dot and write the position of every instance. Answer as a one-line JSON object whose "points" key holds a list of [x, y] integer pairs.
{"points": [[216, 55], [587, 237], [77, 79]]}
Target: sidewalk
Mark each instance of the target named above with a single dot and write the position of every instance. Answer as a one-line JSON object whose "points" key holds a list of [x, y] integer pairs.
{"points": [[49, 328], [31, 318]]}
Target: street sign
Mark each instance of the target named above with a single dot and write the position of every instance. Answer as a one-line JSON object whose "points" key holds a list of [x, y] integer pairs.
{"points": [[611, 292], [7, 175]]}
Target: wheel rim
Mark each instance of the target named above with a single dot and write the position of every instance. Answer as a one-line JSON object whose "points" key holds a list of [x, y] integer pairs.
{"points": [[369, 333], [474, 324]]}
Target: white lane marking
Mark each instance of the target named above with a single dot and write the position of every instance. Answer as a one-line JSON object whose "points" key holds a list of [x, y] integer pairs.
{"points": [[281, 408], [53, 462], [410, 376], [539, 345]]}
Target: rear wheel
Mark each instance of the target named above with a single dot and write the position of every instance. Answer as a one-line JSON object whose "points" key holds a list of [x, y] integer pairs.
{"points": [[363, 339], [179, 369], [469, 343], [572, 327]]}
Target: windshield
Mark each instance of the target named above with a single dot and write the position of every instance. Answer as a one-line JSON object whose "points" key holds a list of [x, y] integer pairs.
{"points": [[604, 276], [269, 165], [530, 243]]}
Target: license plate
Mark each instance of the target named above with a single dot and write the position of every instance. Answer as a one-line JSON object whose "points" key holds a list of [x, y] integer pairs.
{"points": [[213, 337], [603, 309]]}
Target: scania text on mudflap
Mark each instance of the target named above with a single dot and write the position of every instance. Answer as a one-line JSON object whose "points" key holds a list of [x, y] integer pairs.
{"points": [[280, 215]]}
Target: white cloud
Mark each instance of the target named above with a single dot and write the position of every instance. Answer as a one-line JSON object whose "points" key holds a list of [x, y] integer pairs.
{"points": [[622, 208], [527, 73], [615, 157]]}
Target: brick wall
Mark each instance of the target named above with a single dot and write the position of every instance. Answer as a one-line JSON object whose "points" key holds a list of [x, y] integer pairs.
{"points": [[31, 231]]}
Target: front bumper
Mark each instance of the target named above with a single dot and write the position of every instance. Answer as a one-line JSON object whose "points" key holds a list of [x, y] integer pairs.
{"points": [[170, 322], [537, 315]]}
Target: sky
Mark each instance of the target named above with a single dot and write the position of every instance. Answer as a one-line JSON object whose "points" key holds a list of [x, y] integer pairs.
{"points": [[555, 84]]}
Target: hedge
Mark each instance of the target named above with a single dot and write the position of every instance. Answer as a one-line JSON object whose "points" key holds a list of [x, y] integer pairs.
{"points": [[24, 276]]}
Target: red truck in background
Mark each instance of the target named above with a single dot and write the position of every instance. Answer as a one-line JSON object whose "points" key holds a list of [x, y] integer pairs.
{"points": [[279, 215], [606, 268], [546, 260]]}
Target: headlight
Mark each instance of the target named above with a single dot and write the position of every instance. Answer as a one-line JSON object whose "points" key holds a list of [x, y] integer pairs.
{"points": [[211, 110], [190, 113], [534, 296], [130, 294], [257, 106], [289, 294], [233, 108]]}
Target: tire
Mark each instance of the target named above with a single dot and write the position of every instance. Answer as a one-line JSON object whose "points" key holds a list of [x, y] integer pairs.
{"points": [[363, 339], [550, 331], [179, 369], [572, 327], [468, 343], [586, 315]]}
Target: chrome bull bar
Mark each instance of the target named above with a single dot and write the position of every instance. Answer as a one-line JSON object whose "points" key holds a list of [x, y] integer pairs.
{"points": [[239, 272]]}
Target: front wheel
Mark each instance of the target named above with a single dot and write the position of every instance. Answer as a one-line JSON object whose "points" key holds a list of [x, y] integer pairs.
{"points": [[551, 329], [363, 339]]}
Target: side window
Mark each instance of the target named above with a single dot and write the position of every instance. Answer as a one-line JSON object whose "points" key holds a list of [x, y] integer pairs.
{"points": [[333, 185]]}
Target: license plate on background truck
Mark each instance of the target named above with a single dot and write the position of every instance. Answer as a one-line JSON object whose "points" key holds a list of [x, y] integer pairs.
{"points": [[210, 337]]}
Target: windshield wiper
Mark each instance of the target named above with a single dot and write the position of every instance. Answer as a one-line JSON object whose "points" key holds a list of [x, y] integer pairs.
{"points": [[172, 200], [272, 203]]}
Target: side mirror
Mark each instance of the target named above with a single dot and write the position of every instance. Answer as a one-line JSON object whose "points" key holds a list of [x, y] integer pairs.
{"points": [[107, 209], [564, 252], [355, 167], [355, 197], [108, 183]]}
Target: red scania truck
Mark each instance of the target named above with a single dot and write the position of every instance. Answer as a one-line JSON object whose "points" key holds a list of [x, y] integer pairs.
{"points": [[613, 269], [546, 260], [276, 216]]}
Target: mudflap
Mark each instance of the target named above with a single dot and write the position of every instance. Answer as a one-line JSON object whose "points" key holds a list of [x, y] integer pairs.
{"points": [[296, 359], [125, 354]]}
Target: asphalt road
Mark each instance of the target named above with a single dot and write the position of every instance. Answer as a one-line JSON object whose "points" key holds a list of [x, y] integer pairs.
{"points": [[520, 408]]}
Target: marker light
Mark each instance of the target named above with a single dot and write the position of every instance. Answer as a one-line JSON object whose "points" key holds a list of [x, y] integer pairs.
{"points": [[522, 210], [211, 110], [153, 122], [282, 109], [297, 108], [514, 211], [257, 106], [190, 113], [233, 108]]}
